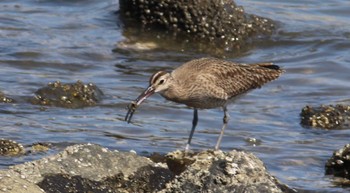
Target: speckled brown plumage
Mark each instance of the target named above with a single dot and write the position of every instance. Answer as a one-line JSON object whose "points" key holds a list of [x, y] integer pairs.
{"points": [[207, 83]]}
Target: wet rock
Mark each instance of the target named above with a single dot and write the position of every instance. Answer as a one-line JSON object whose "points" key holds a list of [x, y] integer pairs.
{"points": [[326, 116], [76, 95], [219, 23], [92, 168], [5, 99], [10, 148], [339, 164]]}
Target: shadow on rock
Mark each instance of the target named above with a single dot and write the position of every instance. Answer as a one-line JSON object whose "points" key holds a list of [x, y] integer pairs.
{"points": [[212, 26], [217, 171], [75, 95]]}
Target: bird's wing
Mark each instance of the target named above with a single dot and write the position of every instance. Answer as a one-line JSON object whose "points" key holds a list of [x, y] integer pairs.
{"points": [[235, 79], [224, 79]]}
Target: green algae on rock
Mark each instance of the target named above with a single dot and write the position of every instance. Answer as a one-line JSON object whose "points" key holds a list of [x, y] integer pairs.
{"points": [[72, 95], [218, 171], [215, 23], [40, 147], [326, 116]]}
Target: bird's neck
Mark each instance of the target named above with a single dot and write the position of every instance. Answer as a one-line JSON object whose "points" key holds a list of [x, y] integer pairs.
{"points": [[174, 93]]}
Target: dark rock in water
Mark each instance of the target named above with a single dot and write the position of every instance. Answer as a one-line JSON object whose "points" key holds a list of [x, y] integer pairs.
{"points": [[326, 116], [339, 165], [5, 99], [77, 95], [10, 148], [91, 168], [219, 23]]}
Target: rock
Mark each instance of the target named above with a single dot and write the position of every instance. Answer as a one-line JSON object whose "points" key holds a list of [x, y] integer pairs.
{"points": [[40, 147], [11, 182], [339, 165], [92, 168], [5, 99], [10, 148], [89, 161], [215, 23], [326, 116], [217, 171], [76, 95]]}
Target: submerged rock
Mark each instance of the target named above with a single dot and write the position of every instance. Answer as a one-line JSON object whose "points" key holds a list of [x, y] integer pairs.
{"points": [[5, 99], [91, 168], [326, 116], [339, 165], [39, 147], [76, 95], [219, 23]]}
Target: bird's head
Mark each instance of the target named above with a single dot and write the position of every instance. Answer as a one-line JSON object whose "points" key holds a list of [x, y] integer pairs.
{"points": [[158, 83]]}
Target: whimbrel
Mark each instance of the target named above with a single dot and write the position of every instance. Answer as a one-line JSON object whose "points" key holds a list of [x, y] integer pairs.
{"points": [[207, 83]]}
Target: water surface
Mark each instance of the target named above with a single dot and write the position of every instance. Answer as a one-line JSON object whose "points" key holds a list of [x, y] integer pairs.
{"points": [[44, 41]]}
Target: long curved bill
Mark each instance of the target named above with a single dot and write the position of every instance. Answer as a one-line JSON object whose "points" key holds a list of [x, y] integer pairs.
{"points": [[137, 102]]}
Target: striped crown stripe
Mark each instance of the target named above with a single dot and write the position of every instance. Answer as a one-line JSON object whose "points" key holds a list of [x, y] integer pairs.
{"points": [[156, 76]]}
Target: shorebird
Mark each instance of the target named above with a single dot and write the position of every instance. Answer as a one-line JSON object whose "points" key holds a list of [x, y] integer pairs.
{"points": [[207, 83]]}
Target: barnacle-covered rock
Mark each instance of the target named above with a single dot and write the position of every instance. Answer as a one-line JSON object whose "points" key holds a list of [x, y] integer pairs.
{"points": [[220, 23], [10, 148], [326, 116], [217, 171], [339, 164], [76, 95], [92, 168]]}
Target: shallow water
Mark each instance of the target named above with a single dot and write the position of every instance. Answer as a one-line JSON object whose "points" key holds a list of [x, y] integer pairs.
{"points": [[44, 41]]}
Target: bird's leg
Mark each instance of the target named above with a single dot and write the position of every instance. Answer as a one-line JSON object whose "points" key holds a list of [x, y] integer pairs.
{"points": [[226, 119], [194, 124]]}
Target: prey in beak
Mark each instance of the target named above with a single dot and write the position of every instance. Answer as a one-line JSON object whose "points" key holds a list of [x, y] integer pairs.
{"points": [[157, 84], [137, 102]]}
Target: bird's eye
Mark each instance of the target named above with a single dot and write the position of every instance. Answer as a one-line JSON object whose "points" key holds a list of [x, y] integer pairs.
{"points": [[161, 81]]}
